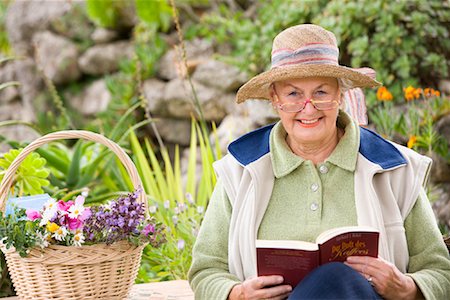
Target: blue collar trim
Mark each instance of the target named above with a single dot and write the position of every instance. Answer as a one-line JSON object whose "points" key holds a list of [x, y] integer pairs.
{"points": [[379, 151], [255, 144], [251, 146]]}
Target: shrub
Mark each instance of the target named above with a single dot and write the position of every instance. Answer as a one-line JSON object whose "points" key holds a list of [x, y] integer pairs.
{"points": [[405, 41]]}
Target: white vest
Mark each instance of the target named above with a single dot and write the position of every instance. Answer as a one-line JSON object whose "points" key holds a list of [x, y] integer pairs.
{"points": [[388, 180]]}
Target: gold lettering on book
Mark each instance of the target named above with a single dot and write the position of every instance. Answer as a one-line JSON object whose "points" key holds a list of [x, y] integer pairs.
{"points": [[349, 248]]}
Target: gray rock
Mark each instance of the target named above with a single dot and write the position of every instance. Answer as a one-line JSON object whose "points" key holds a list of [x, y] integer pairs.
{"points": [[261, 111], [231, 107], [104, 59], [441, 205], [74, 24], [171, 66], [57, 56], [7, 74], [179, 100], [30, 85], [444, 86], [443, 127], [177, 131], [220, 75], [94, 99], [154, 93], [440, 171], [25, 18], [232, 127], [103, 35]]}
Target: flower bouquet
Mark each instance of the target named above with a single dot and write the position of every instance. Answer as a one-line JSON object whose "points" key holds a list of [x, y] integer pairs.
{"points": [[66, 250], [73, 224]]}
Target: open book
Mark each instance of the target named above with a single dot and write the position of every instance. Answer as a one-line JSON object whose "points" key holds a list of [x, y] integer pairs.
{"points": [[295, 259]]}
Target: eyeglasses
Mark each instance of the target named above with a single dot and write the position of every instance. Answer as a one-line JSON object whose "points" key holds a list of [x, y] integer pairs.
{"points": [[297, 106], [300, 105]]}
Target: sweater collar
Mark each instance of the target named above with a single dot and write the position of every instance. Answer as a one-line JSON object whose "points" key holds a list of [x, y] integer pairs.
{"points": [[284, 161]]}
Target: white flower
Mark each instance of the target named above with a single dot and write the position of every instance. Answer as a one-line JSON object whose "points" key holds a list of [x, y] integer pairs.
{"points": [[166, 204], [152, 209], [76, 210], [47, 215], [180, 244], [78, 239], [42, 239], [200, 209], [60, 233], [51, 204], [85, 193]]}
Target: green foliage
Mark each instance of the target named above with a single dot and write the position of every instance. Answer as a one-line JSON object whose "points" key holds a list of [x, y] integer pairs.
{"points": [[31, 174], [179, 208], [5, 47], [413, 123], [17, 231], [401, 40], [157, 14], [105, 13], [252, 38]]}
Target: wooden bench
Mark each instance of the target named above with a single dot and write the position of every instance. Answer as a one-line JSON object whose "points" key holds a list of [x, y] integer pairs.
{"points": [[166, 290]]}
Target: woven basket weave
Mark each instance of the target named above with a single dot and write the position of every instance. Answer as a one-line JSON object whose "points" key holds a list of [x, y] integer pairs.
{"points": [[59, 272]]}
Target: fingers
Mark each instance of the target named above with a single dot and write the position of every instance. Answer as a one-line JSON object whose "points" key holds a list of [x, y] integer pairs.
{"points": [[265, 287]]}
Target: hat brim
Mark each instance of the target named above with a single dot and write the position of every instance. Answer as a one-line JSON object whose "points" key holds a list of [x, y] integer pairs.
{"points": [[258, 86]]}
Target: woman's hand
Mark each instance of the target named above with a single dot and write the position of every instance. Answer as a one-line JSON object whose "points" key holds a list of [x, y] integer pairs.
{"points": [[386, 279], [262, 287]]}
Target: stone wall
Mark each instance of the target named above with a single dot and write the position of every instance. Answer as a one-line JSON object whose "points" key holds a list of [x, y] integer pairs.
{"points": [[41, 33]]}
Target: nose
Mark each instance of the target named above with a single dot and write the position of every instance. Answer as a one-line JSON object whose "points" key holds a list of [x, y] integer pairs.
{"points": [[309, 107]]}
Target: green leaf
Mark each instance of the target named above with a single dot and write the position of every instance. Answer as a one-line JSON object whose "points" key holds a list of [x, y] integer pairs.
{"points": [[73, 175]]}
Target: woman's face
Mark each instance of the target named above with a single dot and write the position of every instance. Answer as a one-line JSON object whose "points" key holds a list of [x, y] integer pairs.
{"points": [[309, 126]]}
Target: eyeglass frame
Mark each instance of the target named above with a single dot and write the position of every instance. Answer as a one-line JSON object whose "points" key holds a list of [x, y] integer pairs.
{"points": [[276, 104]]}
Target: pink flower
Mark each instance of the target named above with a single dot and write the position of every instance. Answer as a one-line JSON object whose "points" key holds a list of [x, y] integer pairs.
{"points": [[33, 214], [74, 224], [64, 206]]}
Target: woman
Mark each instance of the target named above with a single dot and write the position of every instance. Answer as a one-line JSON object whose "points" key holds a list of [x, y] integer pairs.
{"points": [[314, 170]]}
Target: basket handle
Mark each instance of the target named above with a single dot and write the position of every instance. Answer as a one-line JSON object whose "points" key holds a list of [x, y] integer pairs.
{"points": [[70, 134]]}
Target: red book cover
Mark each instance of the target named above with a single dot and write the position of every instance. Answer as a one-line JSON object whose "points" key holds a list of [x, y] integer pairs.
{"points": [[295, 259]]}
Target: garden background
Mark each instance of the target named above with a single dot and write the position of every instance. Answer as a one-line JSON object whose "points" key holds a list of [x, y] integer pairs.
{"points": [[160, 77]]}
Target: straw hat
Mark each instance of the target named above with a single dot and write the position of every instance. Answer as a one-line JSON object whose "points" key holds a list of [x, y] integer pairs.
{"points": [[300, 51]]}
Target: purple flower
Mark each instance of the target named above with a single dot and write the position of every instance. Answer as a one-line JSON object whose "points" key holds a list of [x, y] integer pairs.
{"points": [[150, 228]]}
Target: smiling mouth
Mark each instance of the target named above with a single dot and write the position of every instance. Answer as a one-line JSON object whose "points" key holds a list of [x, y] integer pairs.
{"points": [[309, 121]]}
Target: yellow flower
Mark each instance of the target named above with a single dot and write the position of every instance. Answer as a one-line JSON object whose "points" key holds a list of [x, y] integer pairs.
{"points": [[412, 93], [52, 227], [412, 141], [383, 94]]}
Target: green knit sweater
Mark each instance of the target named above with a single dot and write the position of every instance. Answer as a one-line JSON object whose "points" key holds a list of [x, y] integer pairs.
{"points": [[306, 200]]}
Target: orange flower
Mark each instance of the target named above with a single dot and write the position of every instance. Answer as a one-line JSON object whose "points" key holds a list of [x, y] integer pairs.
{"points": [[412, 93], [383, 94], [429, 92], [412, 141]]}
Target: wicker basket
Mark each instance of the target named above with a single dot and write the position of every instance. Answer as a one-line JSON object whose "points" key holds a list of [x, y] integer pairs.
{"points": [[60, 272]]}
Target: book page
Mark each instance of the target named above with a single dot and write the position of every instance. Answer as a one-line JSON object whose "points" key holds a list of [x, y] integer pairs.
{"points": [[286, 244], [328, 234]]}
